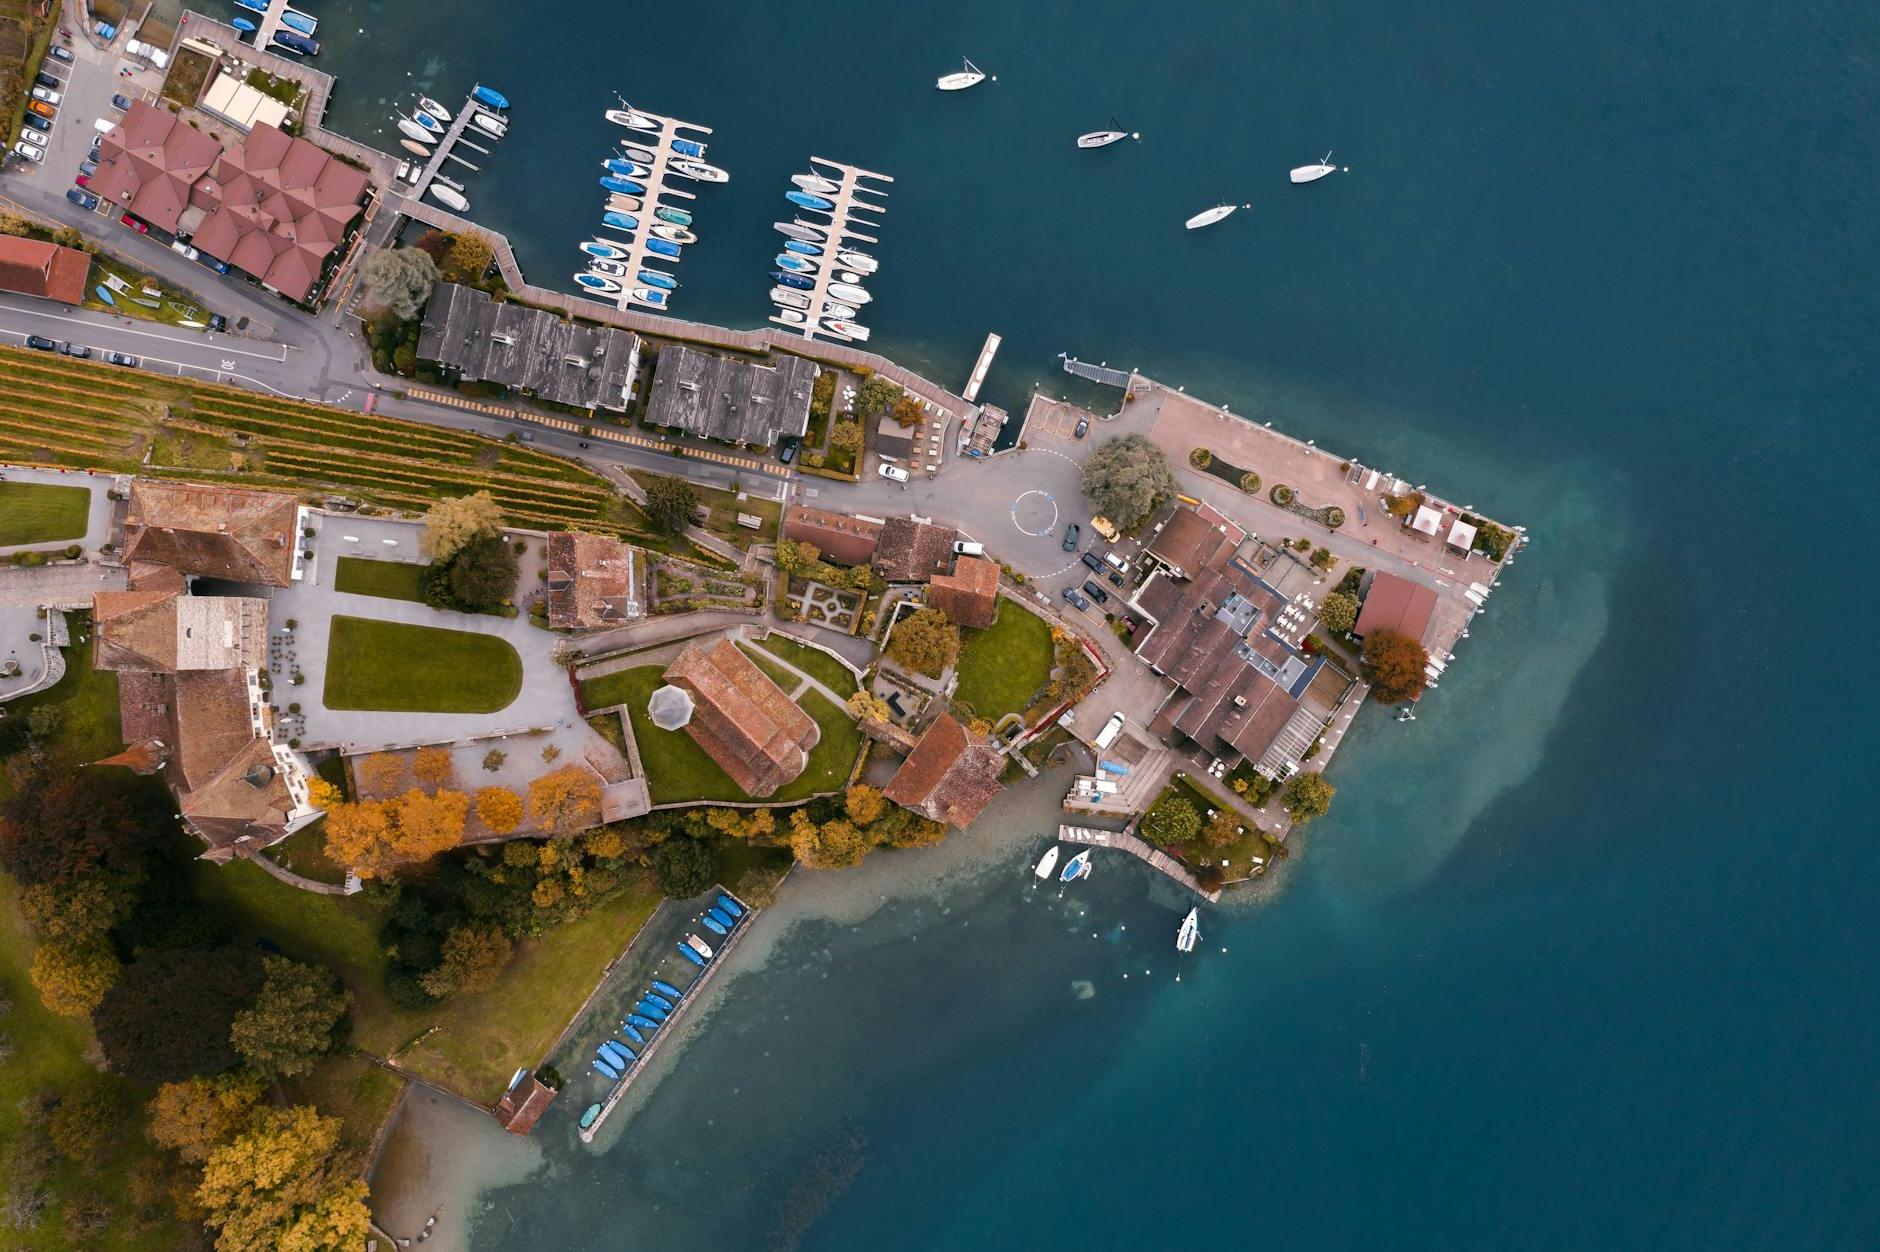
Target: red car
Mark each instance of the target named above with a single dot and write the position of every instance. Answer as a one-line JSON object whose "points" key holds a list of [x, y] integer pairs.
{"points": [[83, 180], [134, 224]]}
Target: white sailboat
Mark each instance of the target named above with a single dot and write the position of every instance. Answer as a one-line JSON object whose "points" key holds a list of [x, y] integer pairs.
{"points": [[1104, 138], [960, 80], [1047, 862], [1210, 216], [447, 197], [1312, 173], [1190, 933], [1077, 867]]}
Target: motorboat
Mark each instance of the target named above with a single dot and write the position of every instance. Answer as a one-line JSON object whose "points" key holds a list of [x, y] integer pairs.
{"points": [[605, 1068], [449, 197], [689, 148], [1210, 216], [1104, 138], [634, 152], [652, 298], [305, 23], [435, 109], [724, 919], [625, 186], [799, 230], [632, 119], [413, 146], [860, 262], [789, 299], [646, 1023], [845, 328], [788, 279], [665, 248], [661, 1000], [699, 171], [666, 988], [816, 184], [716, 927], [690, 955], [678, 217], [1312, 173], [797, 264], [403, 175], [243, 25], [490, 96], [295, 42], [598, 283], [428, 122], [796, 317], [1047, 862], [849, 293], [626, 168], [254, 6], [411, 130], [633, 1033], [699, 946], [1077, 867], [613, 269], [617, 203], [803, 247], [590, 1115], [848, 276], [730, 906], [678, 234], [659, 279], [960, 80], [838, 310], [490, 124], [1190, 932], [621, 221], [803, 200]]}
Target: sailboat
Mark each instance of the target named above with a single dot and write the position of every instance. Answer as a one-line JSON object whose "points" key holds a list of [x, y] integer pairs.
{"points": [[448, 197], [435, 109], [632, 119], [1077, 867], [1104, 138], [1312, 173], [816, 184], [1210, 216], [1047, 862], [960, 80], [412, 130], [1190, 933], [800, 230]]}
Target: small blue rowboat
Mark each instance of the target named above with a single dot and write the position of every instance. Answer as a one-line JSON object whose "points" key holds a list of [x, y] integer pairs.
{"points": [[666, 988], [651, 1010], [716, 927], [801, 284], [618, 1046], [803, 247], [617, 1054], [796, 264], [664, 247], [643, 1022], [653, 278], [604, 1062], [690, 955], [490, 96], [104, 294], [626, 168], [625, 186], [722, 918], [660, 1000], [802, 199], [678, 217], [688, 147], [621, 221], [605, 1070], [633, 1033], [243, 25], [731, 906], [299, 21]]}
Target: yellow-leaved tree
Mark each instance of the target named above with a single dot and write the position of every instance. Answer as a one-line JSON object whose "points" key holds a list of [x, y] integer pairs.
{"points": [[374, 836], [278, 1184], [499, 808], [72, 977], [566, 800], [192, 1116]]}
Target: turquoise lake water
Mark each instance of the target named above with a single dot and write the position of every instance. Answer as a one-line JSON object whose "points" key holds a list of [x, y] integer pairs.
{"points": [[1582, 958]]}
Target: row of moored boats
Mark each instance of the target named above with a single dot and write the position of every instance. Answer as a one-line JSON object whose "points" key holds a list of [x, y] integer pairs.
{"points": [[293, 33], [429, 124], [642, 231], [820, 271], [1078, 867]]}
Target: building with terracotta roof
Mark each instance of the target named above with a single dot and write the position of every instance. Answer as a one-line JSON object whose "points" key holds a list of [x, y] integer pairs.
{"points": [[212, 532], [950, 776], [523, 1104], [970, 594], [842, 539], [908, 551], [149, 163], [1192, 538], [1395, 603], [743, 720], [165, 632], [593, 581], [33, 267]]}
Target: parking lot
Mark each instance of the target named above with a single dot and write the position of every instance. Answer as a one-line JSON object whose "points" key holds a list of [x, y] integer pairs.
{"points": [[1058, 419]]}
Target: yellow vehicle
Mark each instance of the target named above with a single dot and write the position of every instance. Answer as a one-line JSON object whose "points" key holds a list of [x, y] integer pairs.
{"points": [[1103, 527]]}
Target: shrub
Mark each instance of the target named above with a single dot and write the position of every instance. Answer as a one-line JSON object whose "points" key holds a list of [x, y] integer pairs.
{"points": [[293, 708], [1281, 494], [1334, 517], [73, 552], [1250, 482], [1201, 458]]}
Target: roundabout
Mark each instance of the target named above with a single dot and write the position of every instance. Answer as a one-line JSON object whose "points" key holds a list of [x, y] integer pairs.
{"points": [[1035, 513]]}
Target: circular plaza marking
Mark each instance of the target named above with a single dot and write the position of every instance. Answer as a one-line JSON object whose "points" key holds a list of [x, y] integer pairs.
{"points": [[1035, 513]]}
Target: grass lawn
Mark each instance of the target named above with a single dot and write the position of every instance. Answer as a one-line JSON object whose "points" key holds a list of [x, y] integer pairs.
{"points": [[89, 701], [677, 769], [784, 678], [818, 665], [304, 852], [725, 507], [42, 513], [388, 580], [395, 667], [1002, 667]]}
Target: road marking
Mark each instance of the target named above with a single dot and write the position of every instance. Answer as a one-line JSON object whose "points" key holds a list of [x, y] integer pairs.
{"points": [[148, 334]]}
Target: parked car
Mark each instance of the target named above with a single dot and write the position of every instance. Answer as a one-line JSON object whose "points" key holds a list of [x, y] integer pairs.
{"points": [[894, 472], [786, 450], [45, 80], [74, 349], [39, 108], [220, 267], [36, 122], [966, 547], [184, 250], [60, 54], [29, 152], [1075, 600], [120, 102], [47, 94], [1070, 536], [1096, 593], [88, 168], [41, 343], [1083, 428], [121, 358], [1094, 561], [134, 224], [83, 199], [83, 180], [1116, 579]]}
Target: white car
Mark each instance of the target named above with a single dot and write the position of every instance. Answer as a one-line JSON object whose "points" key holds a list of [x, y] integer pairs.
{"points": [[894, 472], [29, 152], [47, 94], [185, 250], [36, 138]]}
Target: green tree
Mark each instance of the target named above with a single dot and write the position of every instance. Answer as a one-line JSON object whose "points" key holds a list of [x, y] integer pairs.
{"points": [[1126, 478], [483, 573], [169, 1016], [81, 909], [452, 523], [1308, 796], [927, 642], [471, 959], [292, 1022], [1169, 821], [876, 397], [1338, 611], [846, 435], [1393, 663], [89, 1121], [669, 503], [398, 281], [684, 867]]}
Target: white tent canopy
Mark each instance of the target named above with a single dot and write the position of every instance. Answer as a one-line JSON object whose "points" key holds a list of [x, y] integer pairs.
{"points": [[1427, 520], [1462, 535]]}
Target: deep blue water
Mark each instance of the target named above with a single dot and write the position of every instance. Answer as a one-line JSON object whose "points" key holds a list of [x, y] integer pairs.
{"points": [[1584, 957]]}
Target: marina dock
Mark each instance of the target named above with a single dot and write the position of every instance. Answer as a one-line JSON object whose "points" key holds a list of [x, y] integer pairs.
{"points": [[1095, 373], [981, 368], [1141, 850], [660, 144], [444, 150], [851, 185]]}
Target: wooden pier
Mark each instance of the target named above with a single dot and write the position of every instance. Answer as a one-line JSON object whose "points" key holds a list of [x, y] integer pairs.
{"points": [[846, 200], [443, 152], [1141, 850]]}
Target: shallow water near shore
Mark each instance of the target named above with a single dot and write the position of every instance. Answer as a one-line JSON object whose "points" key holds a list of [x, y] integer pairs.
{"points": [[1580, 956]]}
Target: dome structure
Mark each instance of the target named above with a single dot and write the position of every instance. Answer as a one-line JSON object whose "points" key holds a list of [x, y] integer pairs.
{"points": [[670, 708]]}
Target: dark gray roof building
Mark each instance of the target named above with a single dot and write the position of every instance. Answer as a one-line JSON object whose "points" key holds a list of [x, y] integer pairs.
{"points": [[531, 350], [737, 401]]}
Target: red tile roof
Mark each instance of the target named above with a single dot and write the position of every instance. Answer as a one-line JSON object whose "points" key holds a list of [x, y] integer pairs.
{"points": [[33, 267], [1395, 603], [523, 1105], [215, 532], [149, 161], [948, 777], [970, 594], [743, 720], [592, 581], [911, 551], [1191, 540], [840, 538]]}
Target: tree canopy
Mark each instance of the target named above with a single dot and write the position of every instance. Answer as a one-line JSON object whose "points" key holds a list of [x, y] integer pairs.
{"points": [[499, 809], [1308, 796], [926, 642], [876, 397], [61, 825], [472, 958], [192, 1116], [482, 573], [450, 524], [1393, 663], [72, 978], [169, 1016], [830, 845], [280, 1184], [293, 1020], [1170, 820], [468, 257], [1338, 611], [374, 836], [670, 501], [1126, 477], [566, 801], [684, 867], [398, 280]]}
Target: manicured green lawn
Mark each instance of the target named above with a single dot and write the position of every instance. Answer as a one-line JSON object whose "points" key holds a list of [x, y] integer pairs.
{"points": [[1002, 667], [395, 667], [784, 678], [389, 580], [42, 513], [88, 702], [677, 769], [818, 665]]}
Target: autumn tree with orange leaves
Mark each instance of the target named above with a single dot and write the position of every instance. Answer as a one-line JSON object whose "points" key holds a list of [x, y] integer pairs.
{"points": [[375, 836], [566, 801]]}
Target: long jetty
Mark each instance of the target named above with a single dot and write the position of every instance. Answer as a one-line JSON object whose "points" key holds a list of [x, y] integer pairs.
{"points": [[1142, 851]]}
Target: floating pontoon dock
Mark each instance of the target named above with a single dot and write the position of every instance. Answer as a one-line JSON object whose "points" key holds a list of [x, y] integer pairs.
{"points": [[471, 107], [659, 143], [850, 188]]}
